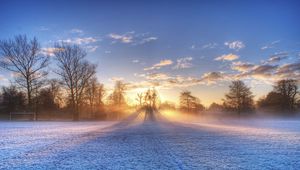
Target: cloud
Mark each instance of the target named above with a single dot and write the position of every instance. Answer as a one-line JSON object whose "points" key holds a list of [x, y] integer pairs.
{"points": [[210, 46], [271, 45], [277, 57], [79, 41], [228, 57], [255, 73], [236, 45], [263, 69], [157, 76], [289, 69], [135, 61], [193, 46], [165, 81], [162, 63], [242, 67], [76, 31], [260, 72], [213, 77], [183, 63], [49, 51], [125, 38], [132, 38], [114, 79], [3, 78], [91, 48], [43, 28], [146, 40], [266, 72]]}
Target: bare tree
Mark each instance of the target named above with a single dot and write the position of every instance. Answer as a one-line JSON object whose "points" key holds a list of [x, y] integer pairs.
{"points": [[23, 57], [56, 91], [90, 93], [288, 89], [49, 97], [100, 96], [46, 101], [215, 107], [12, 99], [190, 103], [94, 95], [239, 98], [139, 99], [75, 72], [186, 100], [151, 98], [117, 98]]}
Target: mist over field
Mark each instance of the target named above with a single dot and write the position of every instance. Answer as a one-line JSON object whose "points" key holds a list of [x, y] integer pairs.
{"points": [[157, 140]]}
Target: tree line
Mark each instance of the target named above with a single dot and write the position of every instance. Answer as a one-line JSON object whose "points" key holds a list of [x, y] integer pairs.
{"points": [[76, 89], [284, 98]]}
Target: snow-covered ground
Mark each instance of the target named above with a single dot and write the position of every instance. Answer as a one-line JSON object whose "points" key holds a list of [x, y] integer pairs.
{"points": [[151, 142]]}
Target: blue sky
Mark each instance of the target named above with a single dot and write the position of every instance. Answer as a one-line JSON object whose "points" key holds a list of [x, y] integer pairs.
{"points": [[173, 45]]}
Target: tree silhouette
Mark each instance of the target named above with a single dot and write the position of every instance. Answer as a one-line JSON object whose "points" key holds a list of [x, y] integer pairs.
{"points": [[117, 98], [214, 107], [282, 98], [151, 98], [75, 72], [12, 99], [94, 96], [46, 100], [189, 103], [23, 57], [139, 99], [239, 99], [288, 89]]}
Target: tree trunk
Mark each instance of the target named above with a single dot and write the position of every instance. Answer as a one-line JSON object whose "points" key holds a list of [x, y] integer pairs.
{"points": [[29, 97], [76, 113]]}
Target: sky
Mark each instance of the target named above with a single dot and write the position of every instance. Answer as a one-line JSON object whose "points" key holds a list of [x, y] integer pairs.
{"points": [[171, 45]]}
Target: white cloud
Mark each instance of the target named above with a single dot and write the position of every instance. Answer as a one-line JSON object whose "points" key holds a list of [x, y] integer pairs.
{"points": [[162, 63], [277, 57], [48, 51], [235, 45], [193, 46], [79, 41], [210, 46], [241, 66], [135, 61], [265, 73], [271, 45], [91, 48], [146, 40], [76, 31], [157, 76], [227, 57], [183, 63], [213, 77], [3, 78], [125, 38], [132, 38]]}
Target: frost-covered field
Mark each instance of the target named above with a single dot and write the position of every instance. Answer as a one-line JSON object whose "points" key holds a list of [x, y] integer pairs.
{"points": [[147, 142]]}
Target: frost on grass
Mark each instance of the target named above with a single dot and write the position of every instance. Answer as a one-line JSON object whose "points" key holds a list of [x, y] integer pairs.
{"points": [[139, 143]]}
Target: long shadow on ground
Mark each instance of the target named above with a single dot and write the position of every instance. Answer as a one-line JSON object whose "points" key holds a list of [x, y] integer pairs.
{"points": [[157, 143]]}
